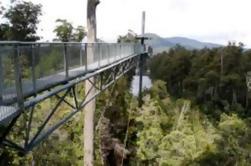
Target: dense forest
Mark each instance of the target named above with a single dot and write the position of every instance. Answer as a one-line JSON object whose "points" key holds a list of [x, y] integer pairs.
{"points": [[213, 78], [205, 111], [196, 113]]}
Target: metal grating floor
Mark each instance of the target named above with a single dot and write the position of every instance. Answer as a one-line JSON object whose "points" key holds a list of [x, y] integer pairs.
{"points": [[6, 113]]}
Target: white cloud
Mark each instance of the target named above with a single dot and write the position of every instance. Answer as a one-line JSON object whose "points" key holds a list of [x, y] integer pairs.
{"points": [[207, 20]]}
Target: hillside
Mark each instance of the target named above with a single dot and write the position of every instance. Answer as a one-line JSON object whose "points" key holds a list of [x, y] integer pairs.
{"points": [[191, 43], [161, 44]]}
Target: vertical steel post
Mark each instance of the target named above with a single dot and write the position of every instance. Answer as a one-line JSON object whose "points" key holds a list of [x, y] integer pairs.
{"points": [[81, 54], [108, 53], [101, 54], [120, 51], [141, 60], [1, 78], [114, 52], [143, 22], [33, 52], [85, 57], [97, 52], [18, 77], [66, 61]]}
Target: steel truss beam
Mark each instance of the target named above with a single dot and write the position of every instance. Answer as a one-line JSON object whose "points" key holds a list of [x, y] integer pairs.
{"points": [[104, 78]]}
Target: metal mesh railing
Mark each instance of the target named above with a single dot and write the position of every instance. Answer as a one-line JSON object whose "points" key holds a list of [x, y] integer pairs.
{"points": [[32, 67]]}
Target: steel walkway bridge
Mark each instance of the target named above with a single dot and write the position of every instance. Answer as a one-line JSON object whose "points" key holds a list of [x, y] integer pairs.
{"points": [[30, 73]]}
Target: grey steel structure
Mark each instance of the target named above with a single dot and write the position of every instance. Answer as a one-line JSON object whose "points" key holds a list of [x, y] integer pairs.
{"points": [[33, 72]]}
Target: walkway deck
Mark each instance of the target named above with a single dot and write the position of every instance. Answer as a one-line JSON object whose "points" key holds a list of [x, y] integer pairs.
{"points": [[108, 54]]}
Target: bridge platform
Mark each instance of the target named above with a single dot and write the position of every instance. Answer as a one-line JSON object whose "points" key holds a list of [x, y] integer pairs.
{"points": [[29, 69]]}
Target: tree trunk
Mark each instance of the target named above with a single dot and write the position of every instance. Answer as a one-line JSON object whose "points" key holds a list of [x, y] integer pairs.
{"points": [[222, 63], [90, 107], [234, 99], [247, 95]]}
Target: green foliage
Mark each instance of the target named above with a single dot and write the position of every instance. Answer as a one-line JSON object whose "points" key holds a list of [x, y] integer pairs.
{"points": [[234, 146], [159, 90], [1, 8], [66, 32], [63, 147], [22, 22], [63, 30], [172, 132], [79, 34], [150, 137], [128, 38], [4, 31], [185, 138], [50, 63], [218, 88], [212, 78]]}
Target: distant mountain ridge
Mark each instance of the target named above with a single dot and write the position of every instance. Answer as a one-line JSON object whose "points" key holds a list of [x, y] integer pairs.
{"points": [[163, 44], [191, 43]]}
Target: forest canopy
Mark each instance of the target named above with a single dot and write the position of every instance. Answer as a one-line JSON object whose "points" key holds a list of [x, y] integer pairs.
{"points": [[213, 78]]}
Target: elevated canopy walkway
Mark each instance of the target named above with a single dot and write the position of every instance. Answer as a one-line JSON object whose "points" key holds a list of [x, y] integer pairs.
{"points": [[32, 72], [34, 67]]}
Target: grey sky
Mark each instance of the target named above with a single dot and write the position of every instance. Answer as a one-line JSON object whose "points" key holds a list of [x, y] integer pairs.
{"points": [[216, 21]]}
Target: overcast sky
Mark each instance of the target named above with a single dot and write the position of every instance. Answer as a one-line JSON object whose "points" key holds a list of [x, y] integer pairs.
{"points": [[217, 21]]}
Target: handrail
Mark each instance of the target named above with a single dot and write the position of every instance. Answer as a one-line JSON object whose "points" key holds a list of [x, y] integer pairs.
{"points": [[56, 42], [39, 65]]}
